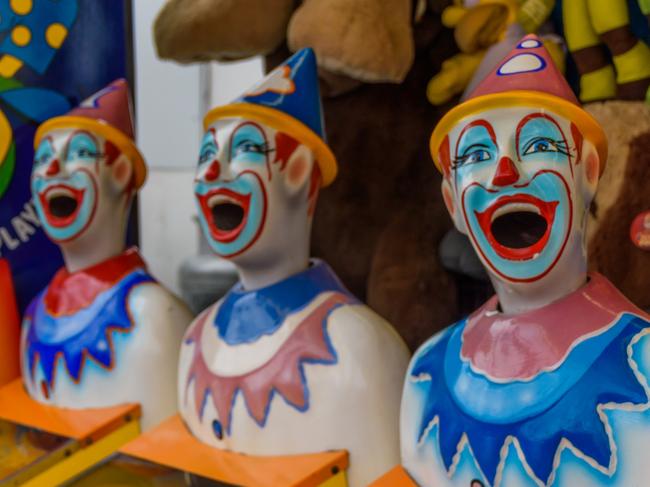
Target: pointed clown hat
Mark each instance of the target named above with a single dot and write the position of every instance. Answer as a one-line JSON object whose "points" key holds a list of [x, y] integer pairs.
{"points": [[527, 76], [107, 113], [287, 99]]}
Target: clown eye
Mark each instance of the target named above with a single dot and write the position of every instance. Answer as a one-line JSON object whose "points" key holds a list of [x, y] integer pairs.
{"points": [[544, 144], [84, 154], [250, 148], [44, 153], [207, 155], [473, 157], [42, 158], [82, 146]]}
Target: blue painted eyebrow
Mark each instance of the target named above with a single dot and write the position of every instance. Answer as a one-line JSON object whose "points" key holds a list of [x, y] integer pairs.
{"points": [[208, 140], [81, 141], [248, 133], [244, 135], [538, 127], [477, 135], [45, 149]]}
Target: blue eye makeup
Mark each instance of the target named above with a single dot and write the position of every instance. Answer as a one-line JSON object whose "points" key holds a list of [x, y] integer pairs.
{"points": [[44, 153], [82, 147], [208, 149], [249, 144], [475, 146], [541, 137]]}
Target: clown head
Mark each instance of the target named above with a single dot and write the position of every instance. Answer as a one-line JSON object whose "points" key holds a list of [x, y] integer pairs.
{"points": [[520, 162], [261, 163], [86, 170]]}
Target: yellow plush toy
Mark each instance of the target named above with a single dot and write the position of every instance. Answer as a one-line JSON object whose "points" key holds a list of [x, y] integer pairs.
{"points": [[588, 24], [478, 25]]}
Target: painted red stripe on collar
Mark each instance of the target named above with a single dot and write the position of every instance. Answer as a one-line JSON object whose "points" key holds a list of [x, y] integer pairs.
{"points": [[71, 292]]}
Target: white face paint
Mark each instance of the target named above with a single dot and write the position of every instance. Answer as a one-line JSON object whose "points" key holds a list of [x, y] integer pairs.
{"points": [[82, 188], [256, 189], [520, 184]]}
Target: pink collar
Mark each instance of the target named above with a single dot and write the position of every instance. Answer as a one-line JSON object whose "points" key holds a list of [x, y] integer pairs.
{"points": [[520, 346]]}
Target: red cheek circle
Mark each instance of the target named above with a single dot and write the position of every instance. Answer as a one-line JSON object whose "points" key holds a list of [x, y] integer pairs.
{"points": [[121, 171], [449, 201], [592, 168], [297, 170]]}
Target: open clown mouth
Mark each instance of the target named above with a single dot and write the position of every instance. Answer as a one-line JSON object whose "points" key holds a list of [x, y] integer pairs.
{"points": [[518, 226], [61, 204], [226, 213]]}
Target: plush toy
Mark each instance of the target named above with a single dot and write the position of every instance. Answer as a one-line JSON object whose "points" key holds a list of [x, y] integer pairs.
{"points": [[588, 24], [103, 332], [289, 361], [484, 30], [616, 235], [546, 383], [362, 39]]}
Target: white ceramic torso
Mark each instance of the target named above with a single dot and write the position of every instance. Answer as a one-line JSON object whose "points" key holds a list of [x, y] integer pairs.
{"points": [[353, 404], [145, 361], [624, 422]]}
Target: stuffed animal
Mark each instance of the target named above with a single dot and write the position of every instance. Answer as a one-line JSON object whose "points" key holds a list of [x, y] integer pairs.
{"points": [[590, 26], [368, 40], [484, 30], [616, 231]]}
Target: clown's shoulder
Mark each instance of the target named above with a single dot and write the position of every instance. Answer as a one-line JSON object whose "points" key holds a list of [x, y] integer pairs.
{"points": [[367, 344], [421, 368], [356, 328], [152, 305]]}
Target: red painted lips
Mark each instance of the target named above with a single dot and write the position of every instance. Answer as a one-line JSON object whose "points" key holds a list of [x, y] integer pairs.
{"points": [[512, 207], [61, 204], [226, 213]]}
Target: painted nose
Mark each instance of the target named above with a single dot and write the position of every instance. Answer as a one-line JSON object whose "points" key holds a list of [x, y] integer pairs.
{"points": [[506, 173], [212, 173], [54, 168]]}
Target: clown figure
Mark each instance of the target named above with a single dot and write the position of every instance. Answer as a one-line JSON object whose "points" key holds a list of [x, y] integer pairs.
{"points": [[288, 362], [103, 332], [546, 383]]}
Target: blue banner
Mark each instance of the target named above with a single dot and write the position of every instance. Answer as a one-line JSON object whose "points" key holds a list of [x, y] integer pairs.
{"points": [[53, 54]]}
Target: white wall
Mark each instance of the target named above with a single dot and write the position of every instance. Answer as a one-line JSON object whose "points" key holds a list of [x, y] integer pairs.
{"points": [[170, 102]]}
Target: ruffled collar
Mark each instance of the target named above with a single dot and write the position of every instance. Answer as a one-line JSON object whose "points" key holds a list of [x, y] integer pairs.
{"points": [[70, 292], [244, 316], [519, 346]]}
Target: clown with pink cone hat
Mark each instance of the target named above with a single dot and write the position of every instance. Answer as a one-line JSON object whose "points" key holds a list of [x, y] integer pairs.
{"points": [[103, 332], [546, 384]]}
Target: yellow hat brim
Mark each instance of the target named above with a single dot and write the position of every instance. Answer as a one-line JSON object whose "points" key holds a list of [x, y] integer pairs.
{"points": [[587, 124], [119, 138], [286, 123]]}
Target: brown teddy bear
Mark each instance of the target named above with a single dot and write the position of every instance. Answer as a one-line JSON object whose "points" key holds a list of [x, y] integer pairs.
{"points": [[364, 39], [380, 223], [615, 247]]}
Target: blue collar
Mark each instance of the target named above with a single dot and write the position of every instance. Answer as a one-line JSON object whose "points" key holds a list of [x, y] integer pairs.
{"points": [[571, 414], [245, 316], [85, 334]]}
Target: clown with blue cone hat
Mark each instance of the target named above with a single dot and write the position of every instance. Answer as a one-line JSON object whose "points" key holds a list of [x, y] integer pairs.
{"points": [[288, 362], [288, 99]]}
